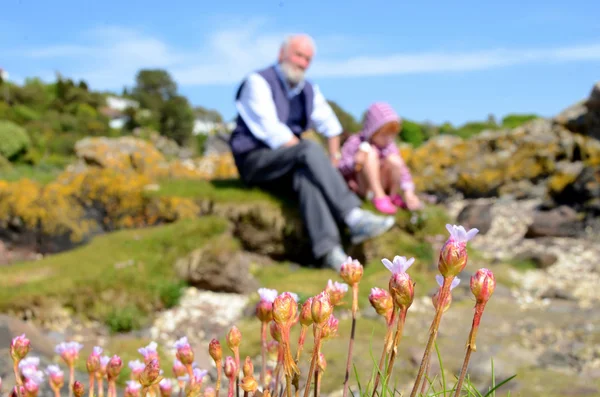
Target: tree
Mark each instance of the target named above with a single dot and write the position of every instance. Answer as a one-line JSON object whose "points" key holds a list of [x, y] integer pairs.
{"points": [[153, 88], [208, 114], [348, 122], [177, 119]]}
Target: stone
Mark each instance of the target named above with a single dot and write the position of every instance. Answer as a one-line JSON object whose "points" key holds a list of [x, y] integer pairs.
{"points": [[559, 222], [219, 267], [476, 216], [541, 260]]}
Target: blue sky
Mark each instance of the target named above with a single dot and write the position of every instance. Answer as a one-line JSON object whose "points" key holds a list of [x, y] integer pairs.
{"points": [[432, 60]]}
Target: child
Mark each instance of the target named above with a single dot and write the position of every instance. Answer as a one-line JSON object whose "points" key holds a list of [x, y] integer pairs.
{"points": [[371, 163]]}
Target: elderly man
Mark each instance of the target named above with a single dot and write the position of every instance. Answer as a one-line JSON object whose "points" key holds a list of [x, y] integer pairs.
{"points": [[275, 105]]}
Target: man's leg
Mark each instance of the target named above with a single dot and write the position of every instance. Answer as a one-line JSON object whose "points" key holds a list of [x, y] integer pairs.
{"points": [[321, 225]]}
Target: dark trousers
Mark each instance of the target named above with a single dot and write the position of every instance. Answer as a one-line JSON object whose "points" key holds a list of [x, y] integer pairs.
{"points": [[305, 170]]}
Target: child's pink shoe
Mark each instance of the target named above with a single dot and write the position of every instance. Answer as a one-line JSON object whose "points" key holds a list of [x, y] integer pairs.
{"points": [[384, 205], [397, 201]]}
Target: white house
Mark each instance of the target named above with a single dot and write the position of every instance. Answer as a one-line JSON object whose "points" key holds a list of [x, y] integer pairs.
{"points": [[205, 127], [3, 75], [120, 104]]}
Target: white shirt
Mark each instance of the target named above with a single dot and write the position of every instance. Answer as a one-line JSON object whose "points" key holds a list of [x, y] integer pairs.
{"points": [[256, 107]]}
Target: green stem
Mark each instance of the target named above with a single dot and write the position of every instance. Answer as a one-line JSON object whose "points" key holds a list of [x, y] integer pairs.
{"points": [[18, 379], [433, 330], [397, 337], [471, 347], [313, 361], [219, 376], [352, 332], [263, 340], [91, 386], [387, 346]]}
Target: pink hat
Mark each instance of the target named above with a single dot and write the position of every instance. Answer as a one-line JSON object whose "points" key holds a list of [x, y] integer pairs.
{"points": [[378, 114]]}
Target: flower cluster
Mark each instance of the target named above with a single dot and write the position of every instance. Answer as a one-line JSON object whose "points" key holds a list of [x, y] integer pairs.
{"points": [[278, 313]]}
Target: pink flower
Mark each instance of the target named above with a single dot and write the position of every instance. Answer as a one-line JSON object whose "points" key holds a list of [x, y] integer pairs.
{"points": [[330, 328], [285, 308], [264, 308], [69, 351], [56, 376], [104, 360], [453, 255], [483, 284], [185, 354], [178, 368], [166, 387], [305, 313], [19, 347], [230, 367], [132, 389], [93, 361], [32, 387], [399, 265], [149, 352], [351, 271], [150, 373], [402, 289], [199, 375], [336, 291], [136, 367], [113, 368], [321, 308], [382, 301]]}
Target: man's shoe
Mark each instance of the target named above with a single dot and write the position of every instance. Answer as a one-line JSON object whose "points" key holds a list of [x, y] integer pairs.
{"points": [[370, 225], [335, 258]]}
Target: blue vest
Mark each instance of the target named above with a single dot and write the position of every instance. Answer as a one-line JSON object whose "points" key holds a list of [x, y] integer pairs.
{"points": [[295, 113]]}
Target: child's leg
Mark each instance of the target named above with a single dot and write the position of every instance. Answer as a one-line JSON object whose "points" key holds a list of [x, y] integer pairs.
{"points": [[369, 177], [390, 170]]}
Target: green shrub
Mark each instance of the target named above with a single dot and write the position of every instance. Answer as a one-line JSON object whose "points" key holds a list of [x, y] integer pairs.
{"points": [[23, 114], [412, 133], [14, 140], [515, 120], [62, 144]]}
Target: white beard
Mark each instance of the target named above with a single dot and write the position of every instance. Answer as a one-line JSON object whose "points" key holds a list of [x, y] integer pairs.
{"points": [[294, 74]]}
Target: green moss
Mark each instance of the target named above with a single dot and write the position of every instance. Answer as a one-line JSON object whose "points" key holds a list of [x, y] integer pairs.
{"points": [[115, 274], [224, 190]]}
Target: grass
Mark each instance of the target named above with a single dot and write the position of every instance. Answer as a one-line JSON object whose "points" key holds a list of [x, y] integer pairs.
{"points": [[224, 190], [116, 277]]}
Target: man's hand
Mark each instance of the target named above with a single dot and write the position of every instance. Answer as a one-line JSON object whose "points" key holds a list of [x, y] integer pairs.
{"points": [[292, 142]]}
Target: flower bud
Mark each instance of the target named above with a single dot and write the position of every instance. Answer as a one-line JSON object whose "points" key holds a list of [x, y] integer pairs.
{"points": [[351, 271], [285, 309], [56, 376], [230, 367], [275, 331], [453, 255], [483, 284], [210, 392], [185, 354], [264, 307], [113, 368], [166, 387], [215, 351], [382, 301], [149, 375], [248, 367], [321, 308], [435, 299], [330, 328], [234, 338], [305, 312], [93, 362], [19, 347], [78, 389], [249, 384], [137, 367], [178, 368], [402, 289], [336, 292], [322, 363]]}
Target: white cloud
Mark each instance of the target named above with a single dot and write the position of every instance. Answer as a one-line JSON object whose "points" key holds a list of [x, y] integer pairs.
{"points": [[109, 57]]}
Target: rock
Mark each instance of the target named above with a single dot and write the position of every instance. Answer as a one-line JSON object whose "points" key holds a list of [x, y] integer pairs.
{"points": [[476, 216], [219, 267], [560, 222], [216, 144], [541, 259]]}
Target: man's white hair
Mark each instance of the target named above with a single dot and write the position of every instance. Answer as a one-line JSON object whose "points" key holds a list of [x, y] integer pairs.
{"points": [[288, 40]]}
